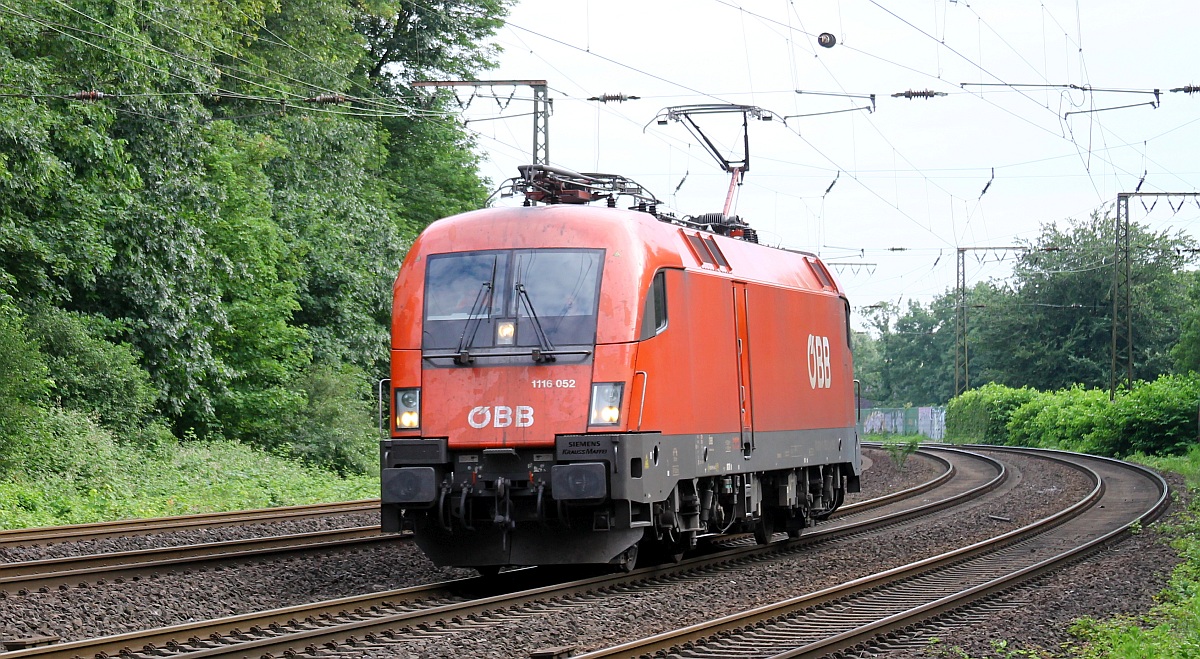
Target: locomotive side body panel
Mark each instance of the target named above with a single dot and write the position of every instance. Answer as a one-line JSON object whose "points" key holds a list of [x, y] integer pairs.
{"points": [[803, 379], [691, 369]]}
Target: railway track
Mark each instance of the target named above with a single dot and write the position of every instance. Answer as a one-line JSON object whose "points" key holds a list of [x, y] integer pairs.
{"points": [[356, 622], [25, 576], [855, 614]]}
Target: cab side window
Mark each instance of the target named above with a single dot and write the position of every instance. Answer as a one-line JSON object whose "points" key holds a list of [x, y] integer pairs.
{"points": [[654, 315]]}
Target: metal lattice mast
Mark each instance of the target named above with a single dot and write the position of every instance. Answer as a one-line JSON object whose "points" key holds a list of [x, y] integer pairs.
{"points": [[542, 105], [961, 373], [541, 123], [1122, 332], [1122, 318]]}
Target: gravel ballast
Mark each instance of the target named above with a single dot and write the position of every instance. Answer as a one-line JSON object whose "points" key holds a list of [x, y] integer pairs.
{"points": [[101, 609]]}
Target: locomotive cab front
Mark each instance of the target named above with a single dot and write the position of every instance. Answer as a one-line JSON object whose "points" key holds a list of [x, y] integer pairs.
{"points": [[495, 391]]}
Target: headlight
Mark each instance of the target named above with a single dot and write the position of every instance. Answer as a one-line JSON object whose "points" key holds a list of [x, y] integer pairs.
{"points": [[506, 331], [606, 404], [408, 409]]}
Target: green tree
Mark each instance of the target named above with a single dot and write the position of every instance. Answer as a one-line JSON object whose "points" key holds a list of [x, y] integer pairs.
{"points": [[89, 371], [868, 364], [409, 41], [923, 351], [1051, 327], [874, 371], [1186, 352], [911, 360], [201, 235], [23, 383]]}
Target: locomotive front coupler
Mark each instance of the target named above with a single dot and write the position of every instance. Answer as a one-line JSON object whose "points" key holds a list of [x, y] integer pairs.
{"points": [[461, 513], [445, 512], [503, 503]]}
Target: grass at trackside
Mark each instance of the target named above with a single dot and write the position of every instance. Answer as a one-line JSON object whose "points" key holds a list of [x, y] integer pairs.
{"points": [[1172, 628], [175, 479]]}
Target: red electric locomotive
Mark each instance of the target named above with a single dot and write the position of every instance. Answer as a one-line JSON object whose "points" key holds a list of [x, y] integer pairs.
{"points": [[571, 382]]}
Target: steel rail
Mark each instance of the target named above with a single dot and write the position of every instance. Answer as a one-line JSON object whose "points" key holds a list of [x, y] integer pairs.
{"points": [[71, 570], [283, 630], [947, 473], [122, 528]]}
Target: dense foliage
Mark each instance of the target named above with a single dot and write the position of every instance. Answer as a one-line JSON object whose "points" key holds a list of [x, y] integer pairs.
{"points": [[205, 246], [982, 415], [1049, 326], [77, 473], [1152, 418]]}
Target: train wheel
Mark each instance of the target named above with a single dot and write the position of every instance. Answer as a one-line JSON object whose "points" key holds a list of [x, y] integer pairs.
{"points": [[764, 529], [628, 559], [682, 544]]}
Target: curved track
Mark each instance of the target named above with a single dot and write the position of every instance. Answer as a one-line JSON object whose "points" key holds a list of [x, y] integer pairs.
{"points": [[350, 622], [856, 613]]}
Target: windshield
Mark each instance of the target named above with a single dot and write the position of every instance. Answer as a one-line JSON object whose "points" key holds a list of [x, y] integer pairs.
{"points": [[468, 294]]}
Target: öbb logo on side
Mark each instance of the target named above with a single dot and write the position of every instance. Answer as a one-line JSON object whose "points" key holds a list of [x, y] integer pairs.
{"points": [[500, 416], [820, 373]]}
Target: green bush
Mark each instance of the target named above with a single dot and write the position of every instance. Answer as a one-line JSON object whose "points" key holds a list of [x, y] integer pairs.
{"points": [[90, 373], [1154, 418], [76, 472], [23, 384], [899, 447], [1063, 419], [336, 429], [981, 415]]}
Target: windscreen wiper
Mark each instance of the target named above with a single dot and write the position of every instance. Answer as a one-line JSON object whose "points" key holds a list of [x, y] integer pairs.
{"points": [[541, 353], [483, 300]]}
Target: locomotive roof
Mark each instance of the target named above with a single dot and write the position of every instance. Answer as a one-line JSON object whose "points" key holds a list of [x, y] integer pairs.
{"points": [[650, 241]]}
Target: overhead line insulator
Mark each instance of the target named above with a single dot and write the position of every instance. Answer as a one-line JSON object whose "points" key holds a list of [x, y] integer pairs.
{"points": [[1187, 89], [614, 98], [326, 99], [92, 95], [923, 93]]}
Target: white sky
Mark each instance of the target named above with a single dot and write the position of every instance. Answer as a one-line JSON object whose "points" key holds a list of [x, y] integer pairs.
{"points": [[909, 174]]}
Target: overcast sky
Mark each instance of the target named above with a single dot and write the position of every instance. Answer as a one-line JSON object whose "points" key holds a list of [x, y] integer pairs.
{"points": [[911, 174]]}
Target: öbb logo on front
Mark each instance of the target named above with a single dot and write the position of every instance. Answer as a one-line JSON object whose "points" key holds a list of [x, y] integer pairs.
{"points": [[500, 416], [820, 372]]}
